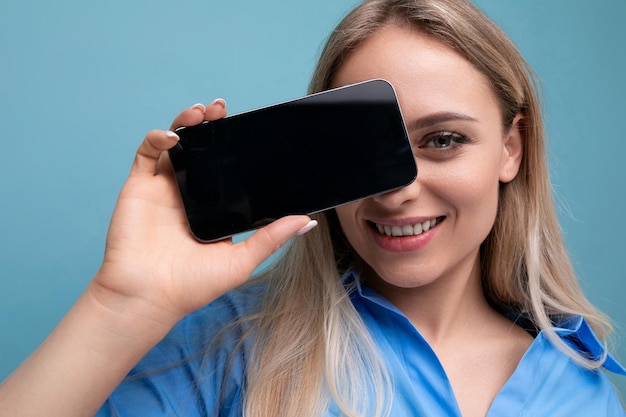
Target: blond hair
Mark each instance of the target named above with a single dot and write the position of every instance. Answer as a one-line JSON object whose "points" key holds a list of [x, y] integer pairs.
{"points": [[310, 344]]}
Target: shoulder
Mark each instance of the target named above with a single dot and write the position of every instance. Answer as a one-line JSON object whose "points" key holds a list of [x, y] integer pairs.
{"points": [[199, 327], [561, 387], [219, 322], [198, 367], [217, 328], [548, 382]]}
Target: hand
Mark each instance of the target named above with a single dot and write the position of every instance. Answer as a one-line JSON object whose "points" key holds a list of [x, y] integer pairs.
{"points": [[154, 272], [151, 256]]}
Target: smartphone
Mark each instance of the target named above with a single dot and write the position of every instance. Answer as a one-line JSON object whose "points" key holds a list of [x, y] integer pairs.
{"points": [[303, 156]]}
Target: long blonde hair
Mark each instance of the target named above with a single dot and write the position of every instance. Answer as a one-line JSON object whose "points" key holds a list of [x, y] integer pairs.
{"points": [[310, 344]]}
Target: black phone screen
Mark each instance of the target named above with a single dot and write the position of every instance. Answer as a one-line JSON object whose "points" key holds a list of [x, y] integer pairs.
{"points": [[299, 157]]}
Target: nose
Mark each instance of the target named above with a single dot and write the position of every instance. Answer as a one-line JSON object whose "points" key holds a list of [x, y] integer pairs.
{"points": [[396, 198]]}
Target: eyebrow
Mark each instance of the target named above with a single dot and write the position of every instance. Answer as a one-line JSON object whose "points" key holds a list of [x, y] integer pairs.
{"points": [[436, 118]]}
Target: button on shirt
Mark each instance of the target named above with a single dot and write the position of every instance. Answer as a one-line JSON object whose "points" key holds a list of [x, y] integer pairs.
{"points": [[177, 378]]}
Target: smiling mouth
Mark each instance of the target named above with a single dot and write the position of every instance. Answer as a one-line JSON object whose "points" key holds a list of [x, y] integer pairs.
{"points": [[407, 229]]}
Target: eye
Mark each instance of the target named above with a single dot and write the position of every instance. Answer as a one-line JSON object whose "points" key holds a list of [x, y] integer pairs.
{"points": [[444, 140], [442, 145]]}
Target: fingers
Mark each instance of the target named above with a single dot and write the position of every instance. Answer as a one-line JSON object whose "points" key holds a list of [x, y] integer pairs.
{"points": [[199, 113], [272, 237], [150, 150], [215, 110]]}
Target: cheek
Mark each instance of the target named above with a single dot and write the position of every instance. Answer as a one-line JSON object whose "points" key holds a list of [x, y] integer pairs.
{"points": [[346, 215], [471, 189], [354, 231]]}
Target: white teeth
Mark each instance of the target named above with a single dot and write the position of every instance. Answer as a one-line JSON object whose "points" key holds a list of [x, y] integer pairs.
{"points": [[407, 229]]}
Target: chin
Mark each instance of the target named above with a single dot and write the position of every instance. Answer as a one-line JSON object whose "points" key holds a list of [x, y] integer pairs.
{"points": [[406, 278]]}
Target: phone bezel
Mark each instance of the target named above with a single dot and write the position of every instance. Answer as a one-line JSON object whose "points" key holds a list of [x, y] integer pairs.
{"points": [[198, 227]]}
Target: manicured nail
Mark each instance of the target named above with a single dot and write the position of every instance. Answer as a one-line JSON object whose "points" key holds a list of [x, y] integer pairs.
{"points": [[199, 106], [220, 101], [171, 134], [310, 225]]}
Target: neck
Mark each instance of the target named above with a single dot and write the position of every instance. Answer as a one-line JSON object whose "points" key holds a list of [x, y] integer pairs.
{"points": [[449, 306]]}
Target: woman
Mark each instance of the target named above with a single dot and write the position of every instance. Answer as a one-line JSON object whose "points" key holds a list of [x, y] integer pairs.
{"points": [[452, 296]]}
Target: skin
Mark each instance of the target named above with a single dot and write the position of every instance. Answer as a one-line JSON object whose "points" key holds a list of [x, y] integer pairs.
{"points": [[153, 274], [434, 277]]}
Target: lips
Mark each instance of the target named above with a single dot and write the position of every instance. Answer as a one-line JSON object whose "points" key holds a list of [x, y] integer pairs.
{"points": [[409, 229]]}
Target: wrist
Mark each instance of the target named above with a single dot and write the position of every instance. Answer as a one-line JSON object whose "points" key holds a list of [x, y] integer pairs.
{"points": [[127, 315]]}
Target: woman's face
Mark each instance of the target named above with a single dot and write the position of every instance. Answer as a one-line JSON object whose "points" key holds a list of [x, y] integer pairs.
{"points": [[433, 228]]}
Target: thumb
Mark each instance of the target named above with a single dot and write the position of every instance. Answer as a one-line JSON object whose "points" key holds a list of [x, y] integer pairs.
{"points": [[272, 237]]}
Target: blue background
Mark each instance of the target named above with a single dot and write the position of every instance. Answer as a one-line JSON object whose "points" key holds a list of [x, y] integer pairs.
{"points": [[81, 82]]}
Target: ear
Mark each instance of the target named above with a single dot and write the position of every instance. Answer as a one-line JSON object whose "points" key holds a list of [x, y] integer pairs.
{"points": [[512, 151]]}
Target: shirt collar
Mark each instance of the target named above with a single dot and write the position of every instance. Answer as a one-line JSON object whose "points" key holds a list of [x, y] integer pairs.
{"points": [[573, 328], [578, 330]]}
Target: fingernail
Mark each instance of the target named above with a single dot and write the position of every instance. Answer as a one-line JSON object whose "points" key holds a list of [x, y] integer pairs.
{"points": [[199, 106], [171, 134], [310, 225], [220, 101]]}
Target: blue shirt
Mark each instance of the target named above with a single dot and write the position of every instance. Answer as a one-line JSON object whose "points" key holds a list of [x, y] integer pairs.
{"points": [[176, 378]]}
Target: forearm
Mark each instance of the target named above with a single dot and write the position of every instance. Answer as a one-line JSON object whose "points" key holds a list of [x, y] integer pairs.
{"points": [[153, 273], [83, 360]]}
